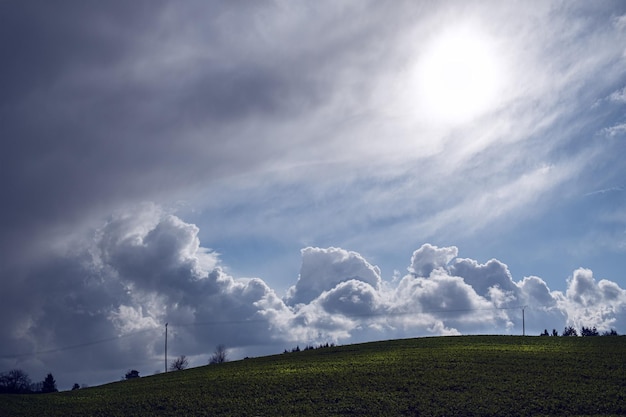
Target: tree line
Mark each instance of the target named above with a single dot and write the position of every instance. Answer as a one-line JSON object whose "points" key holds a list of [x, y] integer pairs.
{"points": [[17, 381], [309, 347], [584, 331]]}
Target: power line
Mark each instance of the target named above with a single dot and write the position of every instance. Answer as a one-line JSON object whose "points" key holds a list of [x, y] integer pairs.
{"points": [[429, 311], [124, 336], [244, 321], [77, 346]]}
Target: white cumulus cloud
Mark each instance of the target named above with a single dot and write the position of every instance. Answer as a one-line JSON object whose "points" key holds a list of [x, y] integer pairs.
{"points": [[113, 294], [322, 269]]}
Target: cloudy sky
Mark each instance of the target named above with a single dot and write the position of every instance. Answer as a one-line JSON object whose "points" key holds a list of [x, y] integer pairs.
{"points": [[274, 173]]}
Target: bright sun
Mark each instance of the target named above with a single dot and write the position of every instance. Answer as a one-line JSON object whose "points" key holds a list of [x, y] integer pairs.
{"points": [[458, 77]]}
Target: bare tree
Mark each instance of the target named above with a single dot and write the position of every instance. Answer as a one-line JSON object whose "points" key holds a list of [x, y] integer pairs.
{"points": [[220, 355], [15, 381], [179, 363]]}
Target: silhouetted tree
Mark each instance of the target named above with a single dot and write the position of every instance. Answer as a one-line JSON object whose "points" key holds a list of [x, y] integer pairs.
{"points": [[15, 381], [589, 331], [220, 355], [179, 363], [132, 374], [570, 331], [75, 387], [554, 332], [49, 384], [545, 333], [612, 332]]}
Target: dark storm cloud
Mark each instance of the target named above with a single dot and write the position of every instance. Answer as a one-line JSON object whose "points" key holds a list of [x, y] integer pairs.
{"points": [[60, 148], [100, 305], [92, 115], [111, 103]]}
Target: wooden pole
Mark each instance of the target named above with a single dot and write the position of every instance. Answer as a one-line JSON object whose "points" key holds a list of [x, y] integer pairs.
{"points": [[165, 347]]}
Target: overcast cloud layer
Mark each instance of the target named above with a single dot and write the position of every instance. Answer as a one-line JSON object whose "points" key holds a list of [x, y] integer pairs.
{"points": [[166, 161]]}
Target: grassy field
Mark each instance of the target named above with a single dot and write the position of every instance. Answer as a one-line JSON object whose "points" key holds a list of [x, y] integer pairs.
{"points": [[439, 376]]}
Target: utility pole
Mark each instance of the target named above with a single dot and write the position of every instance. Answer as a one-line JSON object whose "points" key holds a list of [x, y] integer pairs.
{"points": [[523, 322], [165, 347]]}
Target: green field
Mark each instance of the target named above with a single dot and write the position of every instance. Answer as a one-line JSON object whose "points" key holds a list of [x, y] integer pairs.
{"points": [[439, 376]]}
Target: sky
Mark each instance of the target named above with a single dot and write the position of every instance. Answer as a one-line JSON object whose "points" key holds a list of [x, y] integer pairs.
{"points": [[272, 174]]}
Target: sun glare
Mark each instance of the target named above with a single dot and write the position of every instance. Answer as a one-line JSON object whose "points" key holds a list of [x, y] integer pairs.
{"points": [[458, 77]]}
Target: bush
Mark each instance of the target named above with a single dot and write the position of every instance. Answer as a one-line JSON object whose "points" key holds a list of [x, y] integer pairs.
{"points": [[132, 374]]}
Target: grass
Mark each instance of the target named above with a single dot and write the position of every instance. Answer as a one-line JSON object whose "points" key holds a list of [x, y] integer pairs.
{"points": [[439, 376]]}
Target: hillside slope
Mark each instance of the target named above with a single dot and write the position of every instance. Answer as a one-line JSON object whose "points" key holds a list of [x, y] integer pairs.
{"points": [[464, 375]]}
